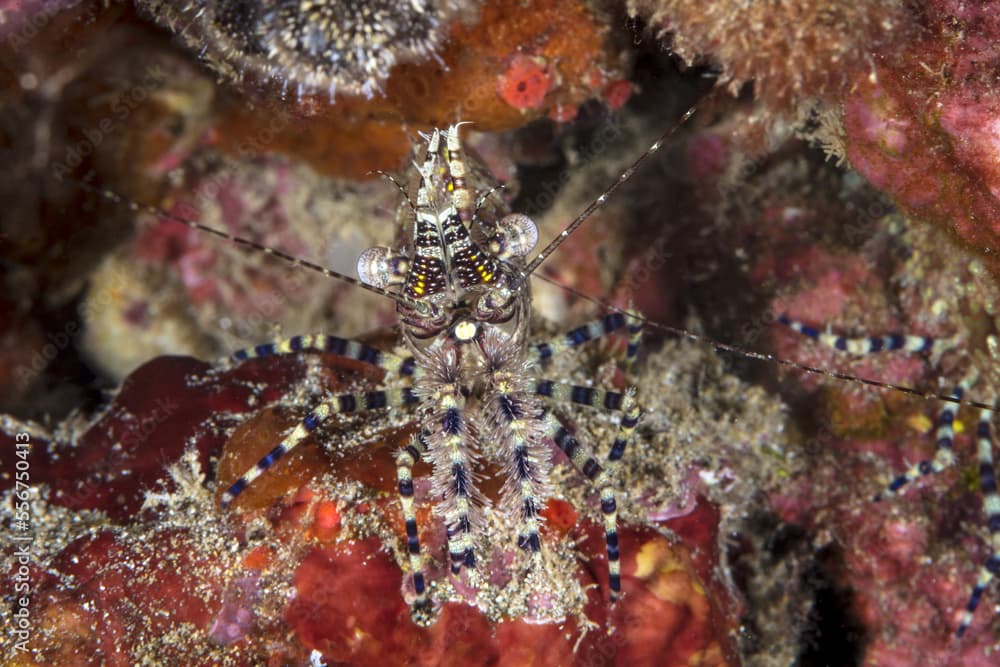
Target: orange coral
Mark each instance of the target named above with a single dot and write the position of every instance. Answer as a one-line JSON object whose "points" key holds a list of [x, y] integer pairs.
{"points": [[565, 34], [552, 48]]}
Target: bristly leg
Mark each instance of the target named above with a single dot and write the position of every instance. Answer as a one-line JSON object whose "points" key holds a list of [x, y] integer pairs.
{"points": [[451, 453]]}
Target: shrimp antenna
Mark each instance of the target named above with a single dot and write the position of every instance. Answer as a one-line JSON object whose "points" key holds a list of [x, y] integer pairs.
{"points": [[245, 243], [599, 202]]}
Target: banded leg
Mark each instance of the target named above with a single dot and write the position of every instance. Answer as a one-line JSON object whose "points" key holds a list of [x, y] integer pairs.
{"points": [[868, 344], [584, 461], [452, 457], [578, 336], [944, 457], [635, 326], [349, 349], [342, 404], [630, 419], [991, 505], [420, 610], [513, 416], [598, 398], [593, 397]]}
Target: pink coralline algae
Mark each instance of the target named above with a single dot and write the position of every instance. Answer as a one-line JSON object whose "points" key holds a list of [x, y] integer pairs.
{"points": [[912, 557], [222, 295], [265, 218], [905, 559], [925, 127], [915, 83]]}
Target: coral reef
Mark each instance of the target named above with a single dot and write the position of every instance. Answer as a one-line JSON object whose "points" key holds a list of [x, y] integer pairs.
{"points": [[923, 128], [749, 533], [481, 53], [791, 50], [927, 285], [206, 298], [126, 494], [904, 91], [129, 301], [818, 245], [574, 57]]}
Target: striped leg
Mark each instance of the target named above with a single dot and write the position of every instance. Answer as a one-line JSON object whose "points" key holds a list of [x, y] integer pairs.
{"points": [[635, 326], [944, 457], [449, 447], [630, 419], [350, 349], [452, 454], [991, 505], [514, 419], [583, 334], [593, 397], [598, 398], [869, 344], [420, 610], [343, 404], [584, 461]]}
